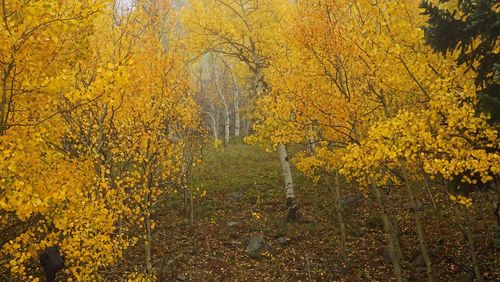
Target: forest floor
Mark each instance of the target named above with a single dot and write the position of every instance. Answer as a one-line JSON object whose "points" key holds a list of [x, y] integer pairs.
{"points": [[240, 195]]}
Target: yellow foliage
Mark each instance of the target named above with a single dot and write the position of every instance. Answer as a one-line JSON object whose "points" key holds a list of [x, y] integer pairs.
{"points": [[467, 202], [103, 112], [358, 78]]}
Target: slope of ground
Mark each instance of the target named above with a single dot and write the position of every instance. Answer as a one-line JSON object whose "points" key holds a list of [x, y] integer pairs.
{"points": [[239, 195]]}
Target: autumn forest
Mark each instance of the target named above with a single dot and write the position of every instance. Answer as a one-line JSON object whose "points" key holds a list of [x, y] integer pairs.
{"points": [[249, 140]]}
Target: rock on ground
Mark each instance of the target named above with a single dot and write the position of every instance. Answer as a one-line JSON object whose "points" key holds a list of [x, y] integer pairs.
{"points": [[255, 247]]}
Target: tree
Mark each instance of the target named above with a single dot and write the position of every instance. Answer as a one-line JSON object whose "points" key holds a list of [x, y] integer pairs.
{"points": [[86, 174], [357, 70], [470, 28], [242, 30]]}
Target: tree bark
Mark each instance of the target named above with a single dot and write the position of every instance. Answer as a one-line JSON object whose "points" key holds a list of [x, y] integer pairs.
{"points": [[247, 127], [237, 121], [428, 189], [393, 244], [217, 123], [291, 204], [4, 112], [224, 103], [418, 223], [214, 116], [472, 247], [312, 142], [147, 244], [191, 205], [226, 124], [147, 240], [340, 218]]}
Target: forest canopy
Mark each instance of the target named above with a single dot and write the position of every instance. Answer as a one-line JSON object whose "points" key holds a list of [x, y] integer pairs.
{"points": [[116, 113]]}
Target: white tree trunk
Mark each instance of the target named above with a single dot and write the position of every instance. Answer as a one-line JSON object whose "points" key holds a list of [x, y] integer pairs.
{"points": [[237, 122], [224, 102], [259, 88], [226, 124], [214, 117], [214, 129], [217, 122], [289, 188]]}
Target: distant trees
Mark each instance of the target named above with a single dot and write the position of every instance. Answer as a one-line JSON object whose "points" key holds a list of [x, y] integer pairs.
{"points": [[244, 32], [220, 95]]}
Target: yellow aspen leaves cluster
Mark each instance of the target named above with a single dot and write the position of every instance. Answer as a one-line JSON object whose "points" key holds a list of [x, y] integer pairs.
{"points": [[96, 109], [467, 202], [356, 81]]}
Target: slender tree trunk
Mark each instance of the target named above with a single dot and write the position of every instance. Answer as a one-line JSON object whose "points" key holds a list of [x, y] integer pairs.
{"points": [[184, 190], [214, 116], [312, 142], [247, 127], [340, 218], [147, 244], [259, 88], [236, 100], [217, 123], [392, 238], [472, 247], [393, 244], [431, 196], [4, 115], [226, 125], [188, 194], [390, 233], [226, 111], [289, 189], [191, 206], [214, 129], [496, 200], [418, 223], [147, 240], [237, 122], [222, 96]]}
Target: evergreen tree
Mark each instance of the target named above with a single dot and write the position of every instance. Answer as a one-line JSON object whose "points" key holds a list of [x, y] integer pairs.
{"points": [[472, 28]]}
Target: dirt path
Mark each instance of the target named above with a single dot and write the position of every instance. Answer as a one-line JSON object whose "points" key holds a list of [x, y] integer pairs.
{"points": [[242, 199]]}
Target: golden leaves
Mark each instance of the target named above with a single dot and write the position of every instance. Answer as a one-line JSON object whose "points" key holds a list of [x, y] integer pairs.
{"points": [[95, 119], [364, 79], [467, 202]]}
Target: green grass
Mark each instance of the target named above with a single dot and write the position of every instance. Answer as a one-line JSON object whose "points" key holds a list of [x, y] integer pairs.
{"points": [[245, 168], [237, 166], [258, 175]]}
